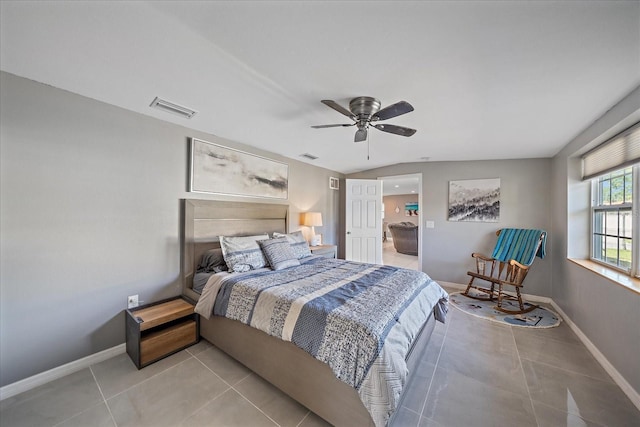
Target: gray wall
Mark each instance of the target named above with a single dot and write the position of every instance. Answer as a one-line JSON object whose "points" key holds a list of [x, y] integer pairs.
{"points": [[606, 312], [90, 214], [525, 199]]}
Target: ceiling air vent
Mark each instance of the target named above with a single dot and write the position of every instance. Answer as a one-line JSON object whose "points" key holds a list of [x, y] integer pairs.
{"points": [[309, 156], [170, 107]]}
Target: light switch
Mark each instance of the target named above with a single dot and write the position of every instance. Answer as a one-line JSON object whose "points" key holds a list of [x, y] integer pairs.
{"points": [[430, 224]]}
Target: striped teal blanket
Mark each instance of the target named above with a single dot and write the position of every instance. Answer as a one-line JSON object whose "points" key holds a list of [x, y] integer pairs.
{"points": [[519, 244]]}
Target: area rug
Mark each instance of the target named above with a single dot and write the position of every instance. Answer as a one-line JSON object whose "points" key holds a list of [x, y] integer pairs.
{"points": [[538, 318]]}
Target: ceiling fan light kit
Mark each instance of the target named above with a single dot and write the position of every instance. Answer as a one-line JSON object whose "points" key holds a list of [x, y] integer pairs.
{"points": [[365, 111]]}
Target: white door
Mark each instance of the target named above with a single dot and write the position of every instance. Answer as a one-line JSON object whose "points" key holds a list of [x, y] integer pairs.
{"points": [[364, 221]]}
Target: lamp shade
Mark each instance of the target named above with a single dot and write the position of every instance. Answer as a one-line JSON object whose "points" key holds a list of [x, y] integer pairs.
{"points": [[312, 219]]}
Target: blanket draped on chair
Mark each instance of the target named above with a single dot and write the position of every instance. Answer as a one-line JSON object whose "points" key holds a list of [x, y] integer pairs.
{"points": [[519, 244]]}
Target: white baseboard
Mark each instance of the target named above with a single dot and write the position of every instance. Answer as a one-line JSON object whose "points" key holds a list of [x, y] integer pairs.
{"points": [[452, 285], [27, 384], [627, 389], [631, 393]]}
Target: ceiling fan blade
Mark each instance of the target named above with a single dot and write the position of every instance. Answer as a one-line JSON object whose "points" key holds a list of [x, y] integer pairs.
{"points": [[361, 135], [394, 110], [339, 108], [331, 126], [398, 130]]}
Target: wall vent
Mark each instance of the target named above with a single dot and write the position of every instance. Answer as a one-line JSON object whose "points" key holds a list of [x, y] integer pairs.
{"points": [[170, 107], [309, 156]]}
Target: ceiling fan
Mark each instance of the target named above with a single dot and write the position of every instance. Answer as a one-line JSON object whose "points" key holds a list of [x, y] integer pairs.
{"points": [[365, 111]]}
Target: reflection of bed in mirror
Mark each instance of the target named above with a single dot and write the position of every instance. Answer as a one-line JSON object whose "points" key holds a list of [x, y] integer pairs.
{"points": [[291, 369]]}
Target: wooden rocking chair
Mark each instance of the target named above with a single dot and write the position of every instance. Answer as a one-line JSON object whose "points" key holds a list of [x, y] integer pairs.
{"points": [[509, 264]]}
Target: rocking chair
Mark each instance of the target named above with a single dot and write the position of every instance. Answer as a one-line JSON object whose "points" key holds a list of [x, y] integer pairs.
{"points": [[509, 264]]}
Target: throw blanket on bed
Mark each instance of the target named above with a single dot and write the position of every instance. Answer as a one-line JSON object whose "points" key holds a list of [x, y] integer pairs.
{"points": [[360, 319], [519, 244]]}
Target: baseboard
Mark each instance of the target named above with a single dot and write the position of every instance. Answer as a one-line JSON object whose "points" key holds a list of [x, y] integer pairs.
{"points": [[627, 389], [537, 298], [37, 380], [452, 285]]}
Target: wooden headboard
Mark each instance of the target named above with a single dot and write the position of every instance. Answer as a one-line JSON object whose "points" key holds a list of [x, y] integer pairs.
{"points": [[203, 221]]}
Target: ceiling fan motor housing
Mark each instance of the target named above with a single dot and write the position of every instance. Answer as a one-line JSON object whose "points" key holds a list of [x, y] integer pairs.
{"points": [[364, 107]]}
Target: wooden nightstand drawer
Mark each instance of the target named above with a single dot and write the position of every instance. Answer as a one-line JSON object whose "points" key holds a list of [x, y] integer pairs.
{"points": [[158, 343]]}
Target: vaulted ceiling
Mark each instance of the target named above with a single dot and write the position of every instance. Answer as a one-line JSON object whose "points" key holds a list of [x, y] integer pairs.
{"points": [[488, 80]]}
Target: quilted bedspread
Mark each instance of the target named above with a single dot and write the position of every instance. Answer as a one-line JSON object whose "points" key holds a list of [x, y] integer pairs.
{"points": [[360, 319]]}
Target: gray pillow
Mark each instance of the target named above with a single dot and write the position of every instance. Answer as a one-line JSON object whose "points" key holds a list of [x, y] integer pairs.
{"points": [[278, 253], [212, 261], [298, 243], [243, 253]]}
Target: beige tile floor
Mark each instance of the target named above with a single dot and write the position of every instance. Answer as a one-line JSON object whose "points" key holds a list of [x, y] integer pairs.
{"points": [[391, 257], [475, 373]]}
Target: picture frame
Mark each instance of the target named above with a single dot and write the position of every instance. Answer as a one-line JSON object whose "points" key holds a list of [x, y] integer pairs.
{"points": [[411, 209], [217, 169], [476, 200]]}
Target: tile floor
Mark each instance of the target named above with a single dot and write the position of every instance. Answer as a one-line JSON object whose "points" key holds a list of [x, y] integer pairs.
{"points": [[391, 257], [475, 373]]}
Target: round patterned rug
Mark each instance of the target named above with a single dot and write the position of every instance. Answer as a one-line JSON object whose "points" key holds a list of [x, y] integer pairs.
{"points": [[538, 318]]}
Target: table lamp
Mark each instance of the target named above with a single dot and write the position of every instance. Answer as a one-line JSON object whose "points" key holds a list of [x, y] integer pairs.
{"points": [[313, 219]]}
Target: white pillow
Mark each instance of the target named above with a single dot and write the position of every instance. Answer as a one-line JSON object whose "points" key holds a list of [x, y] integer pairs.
{"points": [[243, 253]]}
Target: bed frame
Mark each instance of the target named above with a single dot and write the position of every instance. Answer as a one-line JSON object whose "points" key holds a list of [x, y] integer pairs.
{"points": [[292, 370]]}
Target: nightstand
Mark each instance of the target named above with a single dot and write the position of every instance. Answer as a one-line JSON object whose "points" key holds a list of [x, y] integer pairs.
{"points": [[160, 329], [327, 251]]}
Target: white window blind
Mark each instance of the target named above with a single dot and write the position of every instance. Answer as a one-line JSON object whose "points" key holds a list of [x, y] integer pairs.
{"points": [[620, 151]]}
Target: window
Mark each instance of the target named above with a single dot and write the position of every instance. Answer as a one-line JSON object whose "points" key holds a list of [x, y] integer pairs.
{"points": [[615, 227]]}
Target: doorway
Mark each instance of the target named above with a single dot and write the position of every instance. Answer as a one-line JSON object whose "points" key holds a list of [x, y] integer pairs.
{"points": [[402, 202]]}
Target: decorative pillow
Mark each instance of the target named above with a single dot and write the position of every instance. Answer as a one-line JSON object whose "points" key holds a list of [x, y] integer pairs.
{"points": [[298, 243], [212, 261], [243, 253], [278, 253]]}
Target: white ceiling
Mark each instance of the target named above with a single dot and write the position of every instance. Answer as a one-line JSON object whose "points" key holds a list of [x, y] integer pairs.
{"points": [[408, 184], [488, 80]]}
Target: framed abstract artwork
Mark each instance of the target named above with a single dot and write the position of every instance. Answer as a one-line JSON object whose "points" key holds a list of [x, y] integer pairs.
{"points": [[474, 200], [222, 170]]}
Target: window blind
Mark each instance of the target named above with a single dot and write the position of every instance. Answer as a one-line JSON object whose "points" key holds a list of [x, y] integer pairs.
{"points": [[616, 153]]}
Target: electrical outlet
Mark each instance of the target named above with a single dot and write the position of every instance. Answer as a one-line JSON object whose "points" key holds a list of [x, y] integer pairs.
{"points": [[132, 301]]}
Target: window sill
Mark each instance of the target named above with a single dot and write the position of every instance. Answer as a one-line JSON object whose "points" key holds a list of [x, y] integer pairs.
{"points": [[609, 273]]}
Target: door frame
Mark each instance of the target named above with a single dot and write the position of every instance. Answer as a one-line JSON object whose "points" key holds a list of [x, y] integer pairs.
{"points": [[422, 221]]}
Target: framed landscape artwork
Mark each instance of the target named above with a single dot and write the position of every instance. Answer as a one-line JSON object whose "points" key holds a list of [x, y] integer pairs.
{"points": [[474, 200], [223, 170]]}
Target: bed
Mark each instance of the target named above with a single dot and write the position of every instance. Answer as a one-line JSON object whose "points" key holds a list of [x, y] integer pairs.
{"points": [[302, 376]]}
